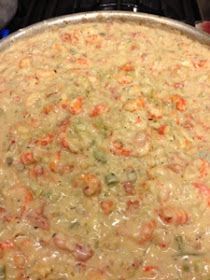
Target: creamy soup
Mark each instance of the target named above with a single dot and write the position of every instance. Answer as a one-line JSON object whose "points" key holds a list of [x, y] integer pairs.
{"points": [[105, 155]]}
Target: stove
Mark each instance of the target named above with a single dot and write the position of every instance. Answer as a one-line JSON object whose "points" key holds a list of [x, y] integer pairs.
{"points": [[32, 11]]}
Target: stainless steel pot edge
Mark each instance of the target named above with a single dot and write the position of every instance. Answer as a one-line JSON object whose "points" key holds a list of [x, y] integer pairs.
{"points": [[106, 15]]}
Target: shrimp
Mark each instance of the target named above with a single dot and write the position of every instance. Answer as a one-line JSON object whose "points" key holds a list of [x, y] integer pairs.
{"points": [[129, 188], [45, 140], [69, 37], [141, 144], [27, 158], [91, 184], [98, 110], [117, 148], [203, 189], [38, 219], [173, 215], [146, 232], [80, 252], [21, 197], [107, 206]]}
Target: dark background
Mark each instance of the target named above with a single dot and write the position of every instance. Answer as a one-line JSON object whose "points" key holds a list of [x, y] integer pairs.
{"points": [[31, 11]]}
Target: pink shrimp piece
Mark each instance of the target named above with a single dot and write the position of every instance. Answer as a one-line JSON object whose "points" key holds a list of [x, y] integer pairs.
{"points": [[199, 63], [91, 184], [146, 231], [38, 219], [27, 158], [172, 215], [46, 140], [203, 189], [98, 110], [81, 253], [129, 188], [69, 37], [119, 149]]}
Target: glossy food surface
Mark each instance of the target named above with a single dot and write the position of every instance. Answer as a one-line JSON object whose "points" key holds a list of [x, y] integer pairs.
{"points": [[104, 155]]}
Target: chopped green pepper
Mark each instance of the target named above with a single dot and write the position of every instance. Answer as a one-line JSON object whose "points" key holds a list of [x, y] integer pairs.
{"points": [[9, 161], [186, 267], [2, 272], [180, 243], [100, 156], [111, 179]]}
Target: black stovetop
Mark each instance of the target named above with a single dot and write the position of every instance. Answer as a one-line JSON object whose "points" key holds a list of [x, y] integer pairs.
{"points": [[32, 11]]}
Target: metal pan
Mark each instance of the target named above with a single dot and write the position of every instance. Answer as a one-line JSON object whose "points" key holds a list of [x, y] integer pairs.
{"points": [[107, 15]]}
